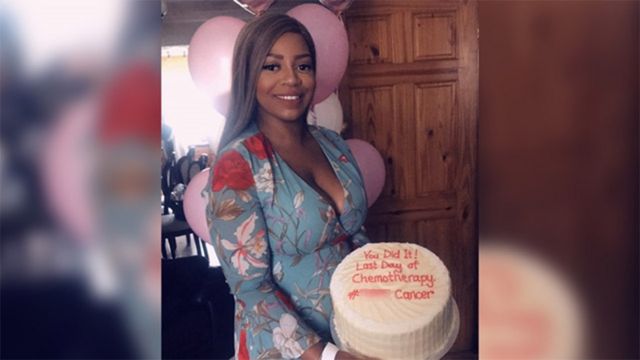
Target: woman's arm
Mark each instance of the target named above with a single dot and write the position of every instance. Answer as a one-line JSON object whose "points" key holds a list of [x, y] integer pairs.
{"points": [[270, 326]]}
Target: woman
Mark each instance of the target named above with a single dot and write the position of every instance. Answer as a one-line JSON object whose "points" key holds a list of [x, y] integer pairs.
{"points": [[287, 199]]}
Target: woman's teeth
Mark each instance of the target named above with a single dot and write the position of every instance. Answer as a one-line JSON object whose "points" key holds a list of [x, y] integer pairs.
{"points": [[292, 97]]}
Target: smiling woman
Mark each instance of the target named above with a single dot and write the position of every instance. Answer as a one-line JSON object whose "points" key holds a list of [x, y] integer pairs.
{"points": [[287, 200], [286, 83]]}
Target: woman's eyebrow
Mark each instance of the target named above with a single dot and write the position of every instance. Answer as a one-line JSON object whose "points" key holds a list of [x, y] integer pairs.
{"points": [[280, 57]]}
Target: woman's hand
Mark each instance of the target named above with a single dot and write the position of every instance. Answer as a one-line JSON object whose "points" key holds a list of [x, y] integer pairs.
{"points": [[343, 355]]}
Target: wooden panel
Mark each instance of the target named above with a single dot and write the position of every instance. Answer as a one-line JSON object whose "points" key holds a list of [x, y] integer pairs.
{"points": [[433, 67], [417, 215], [376, 231], [373, 116], [433, 201], [439, 236], [370, 39], [377, 80], [429, 143], [402, 232], [467, 124], [372, 110], [436, 143], [434, 36], [466, 209]]}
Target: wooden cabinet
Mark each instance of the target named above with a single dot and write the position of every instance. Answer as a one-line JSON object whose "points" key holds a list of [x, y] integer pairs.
{"points": [[411, 90]]}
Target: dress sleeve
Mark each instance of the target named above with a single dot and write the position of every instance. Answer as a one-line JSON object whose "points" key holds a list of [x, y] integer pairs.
{"points": [[269, 325], [360, 238]]}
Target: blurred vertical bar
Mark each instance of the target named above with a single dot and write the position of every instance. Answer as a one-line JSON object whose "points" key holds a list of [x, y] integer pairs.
{"points": [[79, 190], [558, 182]]}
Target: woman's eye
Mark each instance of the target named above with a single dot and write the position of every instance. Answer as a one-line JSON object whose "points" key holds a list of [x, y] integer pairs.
{"points": [[305, 67], [271, 67]]}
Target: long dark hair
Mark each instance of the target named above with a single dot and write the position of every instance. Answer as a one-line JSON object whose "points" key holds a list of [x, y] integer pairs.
{"points": [[252, 46]]}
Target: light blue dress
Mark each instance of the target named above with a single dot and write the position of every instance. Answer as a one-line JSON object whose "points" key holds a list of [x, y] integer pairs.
{"points": [[279, 241]]}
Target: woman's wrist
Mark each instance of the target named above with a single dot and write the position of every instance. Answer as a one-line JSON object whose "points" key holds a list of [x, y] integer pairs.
{"points": [[314, 352]]}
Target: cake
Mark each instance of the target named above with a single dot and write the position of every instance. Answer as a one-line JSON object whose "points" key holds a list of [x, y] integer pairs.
{"points": [[393, 301]]}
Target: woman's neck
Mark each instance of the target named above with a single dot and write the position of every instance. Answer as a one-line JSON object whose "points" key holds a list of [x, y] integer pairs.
{"points": [[284, 133]]}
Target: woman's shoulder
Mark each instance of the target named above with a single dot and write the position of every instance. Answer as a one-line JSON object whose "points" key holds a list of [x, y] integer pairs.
{"points": [[328, 133], [333, 137], [251, 143]]}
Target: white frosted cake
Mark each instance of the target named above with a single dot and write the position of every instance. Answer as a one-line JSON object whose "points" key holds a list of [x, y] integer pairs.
{"points": [[393, 301]]}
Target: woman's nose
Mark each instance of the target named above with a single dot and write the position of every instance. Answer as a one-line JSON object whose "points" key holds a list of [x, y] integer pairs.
{"points": [[291, 76]]}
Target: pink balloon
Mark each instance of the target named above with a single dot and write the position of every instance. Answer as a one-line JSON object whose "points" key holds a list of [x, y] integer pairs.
{"points": [[211, 52], [255, 7], [195, 205], [371, 166], [221, 103], [331, 43]]}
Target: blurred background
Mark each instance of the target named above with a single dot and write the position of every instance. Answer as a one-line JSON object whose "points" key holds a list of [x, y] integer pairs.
{"points": [[558, 184], [80, 153], [558, 179]]}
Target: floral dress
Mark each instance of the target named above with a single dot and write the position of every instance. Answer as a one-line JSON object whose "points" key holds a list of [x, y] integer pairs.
{"points": [[279, 241]]}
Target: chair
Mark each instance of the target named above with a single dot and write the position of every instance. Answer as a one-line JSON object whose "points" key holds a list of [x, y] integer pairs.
{"points": [[174, 223], [189, 166]]}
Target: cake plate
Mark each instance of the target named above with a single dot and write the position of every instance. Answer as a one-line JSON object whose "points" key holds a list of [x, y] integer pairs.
{"points": [[438, 354]]}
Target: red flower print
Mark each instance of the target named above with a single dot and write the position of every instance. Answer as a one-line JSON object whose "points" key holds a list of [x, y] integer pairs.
{"points": [[232, 170], [258, 146], [243, 352], [343, 158], [285, 299]]}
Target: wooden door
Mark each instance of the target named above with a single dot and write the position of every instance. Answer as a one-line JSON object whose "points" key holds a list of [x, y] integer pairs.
{"points": [[411, 90]]}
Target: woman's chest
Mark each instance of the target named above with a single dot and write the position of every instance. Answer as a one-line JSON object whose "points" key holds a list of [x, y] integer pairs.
{"points": [[300, 223], [313, 169]]}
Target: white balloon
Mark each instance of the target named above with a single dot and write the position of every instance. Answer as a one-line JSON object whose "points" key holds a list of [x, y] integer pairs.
{"points": [[327, 113]]}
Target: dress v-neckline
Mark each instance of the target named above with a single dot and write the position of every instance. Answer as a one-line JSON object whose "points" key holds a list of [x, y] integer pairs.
{"points": [[331, 202]]}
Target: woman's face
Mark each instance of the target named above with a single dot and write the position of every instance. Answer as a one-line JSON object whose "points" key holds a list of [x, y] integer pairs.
{"points": [[287, 80]]}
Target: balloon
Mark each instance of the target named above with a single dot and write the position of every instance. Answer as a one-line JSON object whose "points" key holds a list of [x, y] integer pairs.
{"points": [[371, 166], [337, 6], [210, 54], [195, 204], [331, 43], [327, 114], [255, 7], [221, 103]]}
